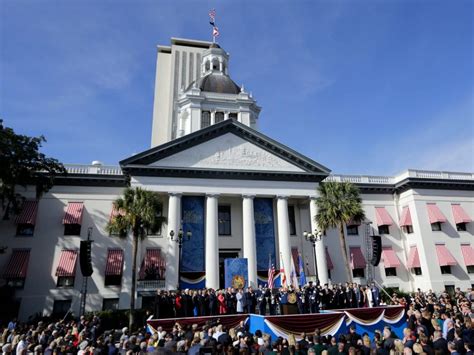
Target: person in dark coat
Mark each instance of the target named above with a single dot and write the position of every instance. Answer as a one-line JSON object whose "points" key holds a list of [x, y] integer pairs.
{"points": [[251, 300], [439, 343], [212, 299]]}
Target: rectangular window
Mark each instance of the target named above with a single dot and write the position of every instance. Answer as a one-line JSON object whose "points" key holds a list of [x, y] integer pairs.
{"points": [[446, 269], [436, 227], [205, 119], [352, 230], [359, 272], [417, 271], [292, 219], [461, 227], [449, 289], [223, 215], [219, 117], [61, 307], [407, 229], [384, 230], [470, 269], [65, 281], [233, 115], [113, 280], [25, 230], [390, 271], [72, 229], [110, 304], [16, 282]]}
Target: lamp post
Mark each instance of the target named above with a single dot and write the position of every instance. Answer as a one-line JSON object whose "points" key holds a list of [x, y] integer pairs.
{"points": [[313, 238], [179, 238]]}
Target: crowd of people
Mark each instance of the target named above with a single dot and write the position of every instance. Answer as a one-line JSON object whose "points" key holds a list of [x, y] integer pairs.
{"points": [[435, 324], [309, 299]]}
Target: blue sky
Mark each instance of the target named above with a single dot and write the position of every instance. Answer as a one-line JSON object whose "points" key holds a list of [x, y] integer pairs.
{"points": [[363, 87]]}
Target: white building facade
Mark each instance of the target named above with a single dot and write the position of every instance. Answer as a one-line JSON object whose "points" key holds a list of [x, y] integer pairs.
{"points": [[241, 194]]}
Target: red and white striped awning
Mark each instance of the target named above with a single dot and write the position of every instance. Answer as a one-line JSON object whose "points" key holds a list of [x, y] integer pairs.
{"points": [[18, 264], [445, 258], [405, 219], [390, 258], [152, 260], [413, 258], [434, 214], [329, 260], [116, 212], [382, 216], [460, 216], [114, 264], [468, 254], [28, 213], [67, 263], [73, 213], [357, 258]]}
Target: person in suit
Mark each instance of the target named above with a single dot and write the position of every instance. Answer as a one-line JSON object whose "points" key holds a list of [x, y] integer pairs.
{"points": [[375, 295], [439, 343], [212, 302]]}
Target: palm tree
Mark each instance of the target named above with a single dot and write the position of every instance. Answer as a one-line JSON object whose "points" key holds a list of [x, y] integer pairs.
{"points": [[138, 213], [339, 203]]}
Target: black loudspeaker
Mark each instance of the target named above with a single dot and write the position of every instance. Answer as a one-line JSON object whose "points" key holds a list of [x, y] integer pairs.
{"points": [[376, 250], [85, 259]]}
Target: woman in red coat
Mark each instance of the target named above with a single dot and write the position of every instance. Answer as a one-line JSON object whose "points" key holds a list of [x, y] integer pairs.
{"points": [[221, 299]]}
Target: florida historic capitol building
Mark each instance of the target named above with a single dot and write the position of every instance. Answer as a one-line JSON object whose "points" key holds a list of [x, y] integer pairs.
{"points": [[240, 193]]}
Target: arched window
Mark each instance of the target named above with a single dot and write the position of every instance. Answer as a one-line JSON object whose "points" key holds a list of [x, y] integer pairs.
{"points": [[219, 117], [207, 66], [215, 64], [205, 119]]}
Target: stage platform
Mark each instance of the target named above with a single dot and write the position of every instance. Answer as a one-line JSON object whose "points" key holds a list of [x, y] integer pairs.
{"points": [[331, 322]]}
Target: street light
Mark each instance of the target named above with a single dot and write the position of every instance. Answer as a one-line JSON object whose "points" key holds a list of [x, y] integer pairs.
{"points": [[314, 237], [179, 239]]}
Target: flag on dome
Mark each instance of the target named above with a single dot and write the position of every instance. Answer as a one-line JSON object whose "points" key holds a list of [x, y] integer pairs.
{"points": [[215, 32]]}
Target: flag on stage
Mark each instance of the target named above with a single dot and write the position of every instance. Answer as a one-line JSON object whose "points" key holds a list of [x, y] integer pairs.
{"points": [[294, 277], [301, 270], [282, 273], [271, 273]]}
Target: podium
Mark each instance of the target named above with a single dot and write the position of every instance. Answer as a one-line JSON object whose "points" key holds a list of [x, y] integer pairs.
{"points": [[289, 308]]}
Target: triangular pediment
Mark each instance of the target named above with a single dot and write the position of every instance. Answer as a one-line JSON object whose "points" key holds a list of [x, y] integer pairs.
{"points": [[228, 148], [228, 152]]}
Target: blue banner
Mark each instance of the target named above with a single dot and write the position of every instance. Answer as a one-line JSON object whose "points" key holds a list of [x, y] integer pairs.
{"points": [[236, 272], [264, 232], [192, 213]]}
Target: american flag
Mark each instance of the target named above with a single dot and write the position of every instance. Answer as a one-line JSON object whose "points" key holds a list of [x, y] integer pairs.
{"points": [[215, 32], [271, 274], [212, 14]]}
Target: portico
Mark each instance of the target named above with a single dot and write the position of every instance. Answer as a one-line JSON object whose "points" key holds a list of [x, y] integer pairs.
{"points": [[231, 167]]}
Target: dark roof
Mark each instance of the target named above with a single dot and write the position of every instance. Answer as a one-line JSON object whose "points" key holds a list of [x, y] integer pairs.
{"points": [[219, 83]]}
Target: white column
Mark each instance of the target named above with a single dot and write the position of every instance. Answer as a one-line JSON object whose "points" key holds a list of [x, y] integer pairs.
{"points": [[174, 219], [213, 117], [250, 248], [321, 263], [212, 242], [284, 234]]}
